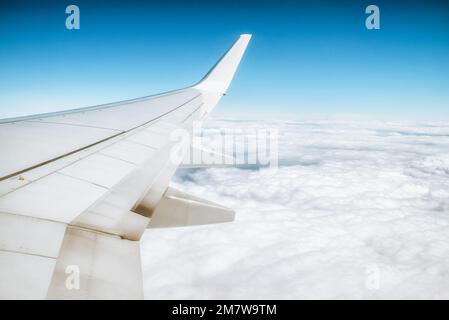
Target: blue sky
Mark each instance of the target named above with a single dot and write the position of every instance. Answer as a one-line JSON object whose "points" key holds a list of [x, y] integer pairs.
{"points": [[305, 60]]}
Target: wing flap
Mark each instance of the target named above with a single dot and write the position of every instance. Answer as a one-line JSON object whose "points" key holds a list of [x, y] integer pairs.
{"points": [[29, 235], [25, 276], [179, 209], [108, 267]]}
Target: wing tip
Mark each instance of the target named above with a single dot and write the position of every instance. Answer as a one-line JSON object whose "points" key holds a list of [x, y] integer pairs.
{"points": [[220, 76]]}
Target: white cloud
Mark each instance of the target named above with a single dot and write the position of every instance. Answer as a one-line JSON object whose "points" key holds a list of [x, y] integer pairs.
{"points": [[347, 196]]}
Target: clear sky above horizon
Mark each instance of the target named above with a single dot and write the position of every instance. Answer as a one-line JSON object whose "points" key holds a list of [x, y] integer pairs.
{"points": [[305, 60]]}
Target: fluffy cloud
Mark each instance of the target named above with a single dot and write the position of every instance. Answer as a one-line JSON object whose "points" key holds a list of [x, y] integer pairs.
{"points": [[355, 210]]}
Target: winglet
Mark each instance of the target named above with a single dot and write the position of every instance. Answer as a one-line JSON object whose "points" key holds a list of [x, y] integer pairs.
{"points": [[219, 77]]}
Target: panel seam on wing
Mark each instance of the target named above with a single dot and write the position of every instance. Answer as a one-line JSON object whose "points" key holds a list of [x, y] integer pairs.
{"points": [[73, 125], [96, 143], [29, 254]]}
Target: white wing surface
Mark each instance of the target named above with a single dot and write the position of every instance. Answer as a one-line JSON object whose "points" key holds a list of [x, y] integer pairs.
{"points": [[78, 188]]}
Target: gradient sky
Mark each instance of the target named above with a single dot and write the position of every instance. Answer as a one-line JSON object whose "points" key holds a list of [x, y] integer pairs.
{"points": [[305, 60]]}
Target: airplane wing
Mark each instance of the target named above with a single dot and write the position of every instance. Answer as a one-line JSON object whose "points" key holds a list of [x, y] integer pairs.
{"points": [[78, 188]]}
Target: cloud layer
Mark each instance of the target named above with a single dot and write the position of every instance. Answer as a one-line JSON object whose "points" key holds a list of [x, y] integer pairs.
{"points": [[355, 210]]}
